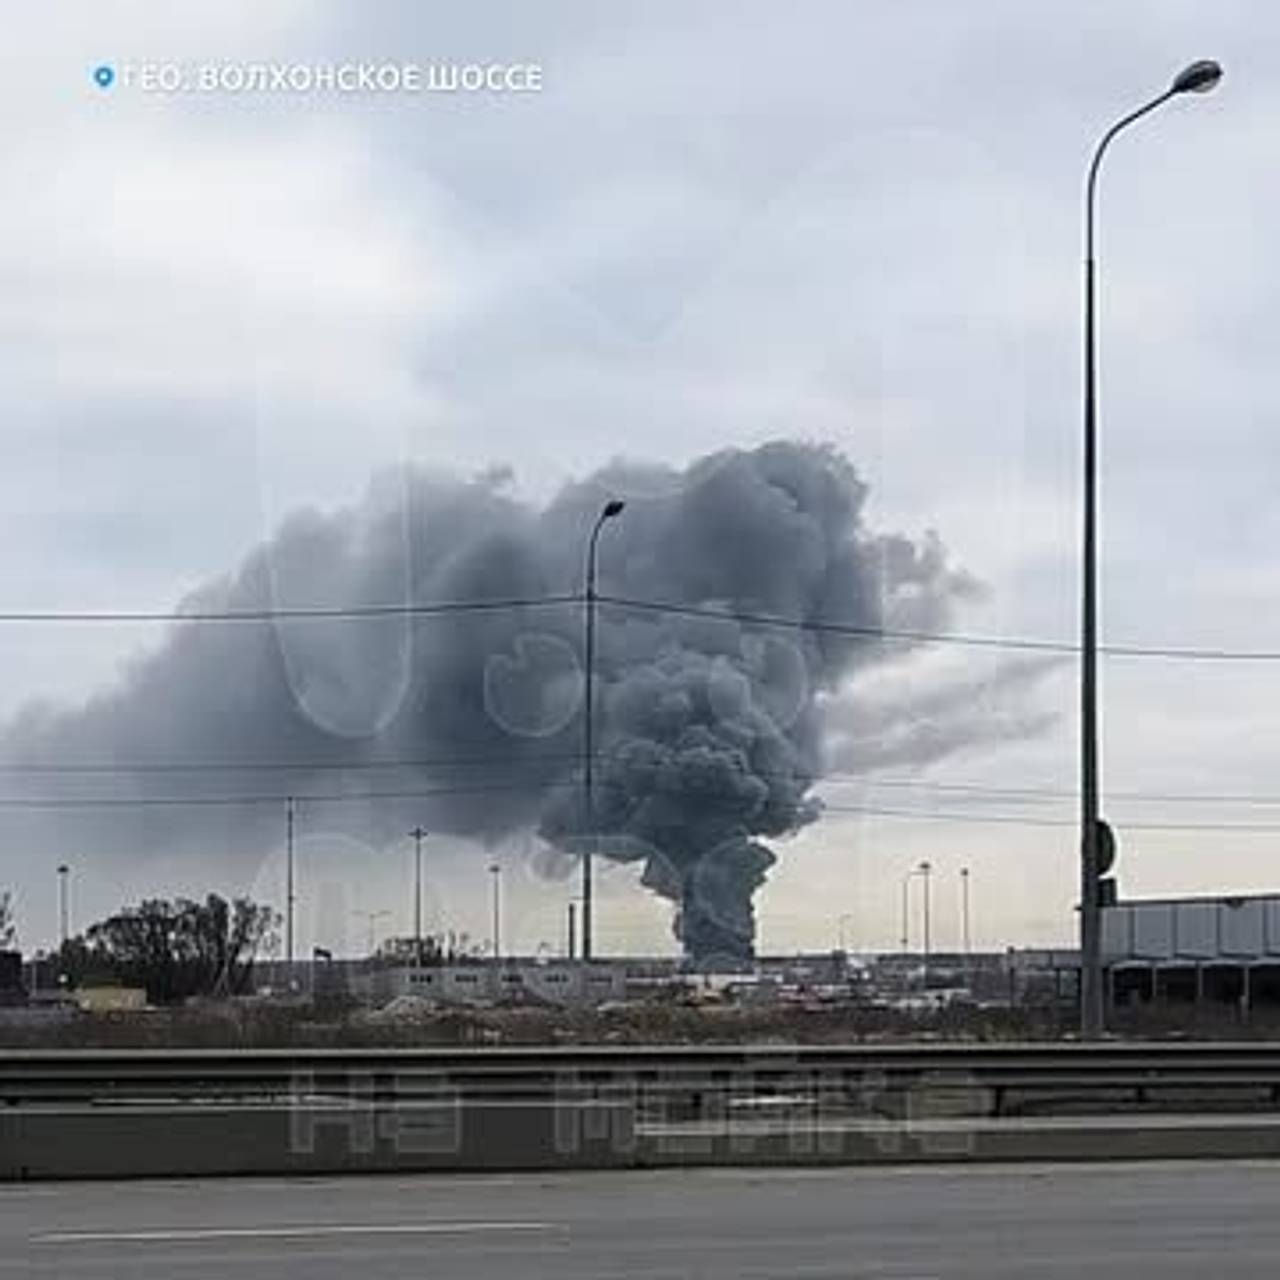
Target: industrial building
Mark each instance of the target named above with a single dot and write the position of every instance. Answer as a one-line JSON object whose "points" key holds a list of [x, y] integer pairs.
{"points": [[1215, 949], [549, 983]]}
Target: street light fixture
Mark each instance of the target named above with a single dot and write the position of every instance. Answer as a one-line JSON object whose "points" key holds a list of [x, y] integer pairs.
{"points": [[614, 507], [1198, 77]]}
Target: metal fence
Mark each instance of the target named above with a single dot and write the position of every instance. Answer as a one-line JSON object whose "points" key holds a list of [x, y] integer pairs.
{"points": [[683, 1079]]}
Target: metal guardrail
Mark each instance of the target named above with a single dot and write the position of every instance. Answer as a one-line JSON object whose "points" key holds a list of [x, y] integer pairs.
{"points": [[692, 1078]]}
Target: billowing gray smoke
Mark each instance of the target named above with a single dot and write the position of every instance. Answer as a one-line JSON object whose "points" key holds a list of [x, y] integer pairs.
{"points": [[708, 729]]}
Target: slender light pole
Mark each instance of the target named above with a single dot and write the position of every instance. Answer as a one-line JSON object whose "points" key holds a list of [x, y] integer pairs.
{"points": [[418, 835], [288, 889], [906, 906], [964, 913], [373, 917], [573, 929], [906, 909], [64, 910], [842, 922], [1199, 77], [496, 872], [925, 870], [922, 869], [612, 508]]}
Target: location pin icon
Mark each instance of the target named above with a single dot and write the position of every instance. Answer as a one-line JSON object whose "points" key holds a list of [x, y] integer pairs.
{"points": [[104, 76]]}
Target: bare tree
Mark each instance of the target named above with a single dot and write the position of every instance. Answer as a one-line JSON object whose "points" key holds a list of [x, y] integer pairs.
{"points": [[181, 948], [8, 926]]}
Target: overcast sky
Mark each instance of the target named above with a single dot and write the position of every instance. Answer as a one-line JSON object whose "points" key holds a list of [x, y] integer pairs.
{"points": [[716, 224]]}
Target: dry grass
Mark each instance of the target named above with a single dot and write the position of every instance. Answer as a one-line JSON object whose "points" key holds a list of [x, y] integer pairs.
{"points": [[303, 1025]]}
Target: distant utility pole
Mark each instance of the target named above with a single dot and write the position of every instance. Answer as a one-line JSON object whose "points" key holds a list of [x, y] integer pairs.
{"points": [[906, 911], [64, 910], [926, 870], [923, 870], [842, 923], [496, 872], [418, 835], [964, 912], [372, 917], [573, 929], [288, 888]]}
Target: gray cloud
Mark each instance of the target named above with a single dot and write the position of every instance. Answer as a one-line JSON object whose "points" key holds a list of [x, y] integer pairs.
{"points": [[710, 229], [915, 713]]}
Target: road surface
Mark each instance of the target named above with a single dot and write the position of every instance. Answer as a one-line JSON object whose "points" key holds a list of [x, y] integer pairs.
{"points": [[1137, 1221]]}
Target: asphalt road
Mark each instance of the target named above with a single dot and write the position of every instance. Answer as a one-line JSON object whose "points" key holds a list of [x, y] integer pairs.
{"points": [[1201, 1221]]}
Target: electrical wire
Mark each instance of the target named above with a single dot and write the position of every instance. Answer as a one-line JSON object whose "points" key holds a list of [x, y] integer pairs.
{"points": [[301, 614], [888, 635], [838, 777], [364, 797], [935, 637]]}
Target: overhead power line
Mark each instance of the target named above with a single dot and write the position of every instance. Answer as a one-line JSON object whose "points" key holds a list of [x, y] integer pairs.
{"points": [[1025, 644], [1064, 793], [1023, 820], [557, 759], [147, 767], [58, 803], [934, 815], [886, 635], [299, 614], [257, 798]]}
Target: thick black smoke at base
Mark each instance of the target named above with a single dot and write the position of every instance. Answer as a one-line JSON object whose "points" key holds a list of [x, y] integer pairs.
{"points": [[692, 766], [708, 730]]}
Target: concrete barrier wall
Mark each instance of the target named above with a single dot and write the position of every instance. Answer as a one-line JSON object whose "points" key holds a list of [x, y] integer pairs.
{"points": [[95, 1142], [165, 1141], [1096, 1138]]}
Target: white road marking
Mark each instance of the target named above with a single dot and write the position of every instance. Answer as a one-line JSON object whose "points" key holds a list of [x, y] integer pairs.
{"points": [[283, 1233], [1007, 1169]]}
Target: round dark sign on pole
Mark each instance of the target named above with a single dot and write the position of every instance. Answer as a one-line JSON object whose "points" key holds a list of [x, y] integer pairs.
{"points": [[1106, 847]]}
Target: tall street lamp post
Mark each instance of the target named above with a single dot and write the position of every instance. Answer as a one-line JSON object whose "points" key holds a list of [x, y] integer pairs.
{"points": [[418, 835], [571, 939], [925, 870], [906, 909], [1199, 77], [842, 926], [496, 872], [372, 918], [64, 909], [612, 508], [288, 888]]}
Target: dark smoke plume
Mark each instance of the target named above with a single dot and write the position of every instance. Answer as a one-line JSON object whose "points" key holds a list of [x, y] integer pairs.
{"points": [[709, 730]]}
